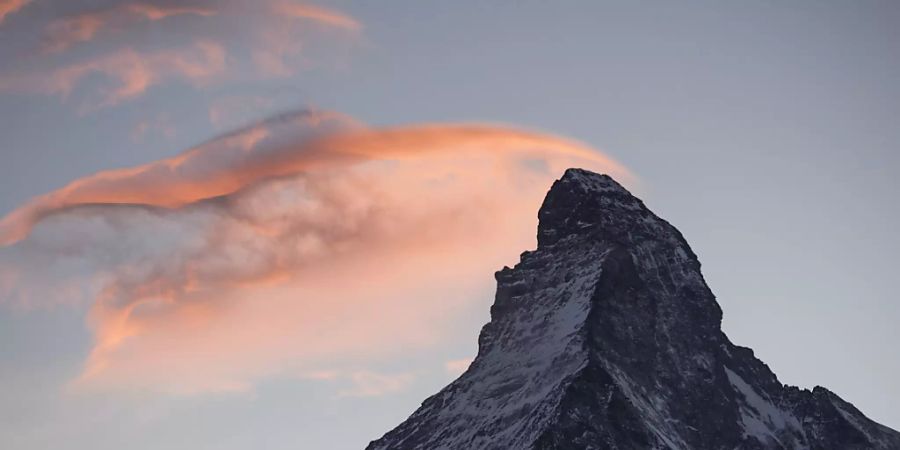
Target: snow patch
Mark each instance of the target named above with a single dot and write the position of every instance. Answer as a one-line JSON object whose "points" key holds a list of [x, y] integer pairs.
{"points": [[762, 419]]}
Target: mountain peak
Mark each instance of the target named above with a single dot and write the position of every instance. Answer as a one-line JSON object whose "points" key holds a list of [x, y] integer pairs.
{"points": [[590, 181], [581, 201], [607, 336]]}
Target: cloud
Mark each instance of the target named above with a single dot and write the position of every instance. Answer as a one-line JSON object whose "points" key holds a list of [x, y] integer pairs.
{"points": [[216, 168], [457, 366], [65, 32], [295, 245], [282, 43], [158, 12], [131, 46], [317, 14], [126, 74], [8, 7], [293, 143], [363, 383], [371, 384]]}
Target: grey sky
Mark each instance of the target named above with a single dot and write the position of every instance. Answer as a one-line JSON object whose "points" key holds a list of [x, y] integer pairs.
{"points": [[767, 132]]}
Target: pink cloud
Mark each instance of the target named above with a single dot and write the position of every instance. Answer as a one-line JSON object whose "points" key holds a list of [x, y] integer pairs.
{"points": [[126, 74], [317, 14], [372, 384], [158, 12], [8, 7], [457, 366], [303, 244], [284, 42], [257, 41], [63, 33]]}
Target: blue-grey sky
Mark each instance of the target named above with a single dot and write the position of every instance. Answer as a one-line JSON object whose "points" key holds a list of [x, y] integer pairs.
{"points": [[767, 132]]}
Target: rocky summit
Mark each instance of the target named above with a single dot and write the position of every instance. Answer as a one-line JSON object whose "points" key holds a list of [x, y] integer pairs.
{"points": [[607, 337]]}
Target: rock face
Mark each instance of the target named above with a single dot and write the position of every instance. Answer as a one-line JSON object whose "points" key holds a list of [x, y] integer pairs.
{"points": [[607, 337]]}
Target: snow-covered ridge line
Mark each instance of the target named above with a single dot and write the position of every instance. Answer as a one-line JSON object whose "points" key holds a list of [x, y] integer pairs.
{"points": [[607, 337]]}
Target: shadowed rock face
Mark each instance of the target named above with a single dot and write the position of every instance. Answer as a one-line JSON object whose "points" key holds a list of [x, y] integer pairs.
{"points": [[607, 337]]}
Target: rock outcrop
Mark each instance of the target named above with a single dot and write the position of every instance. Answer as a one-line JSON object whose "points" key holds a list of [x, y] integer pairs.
{"points": [[607, 337]]}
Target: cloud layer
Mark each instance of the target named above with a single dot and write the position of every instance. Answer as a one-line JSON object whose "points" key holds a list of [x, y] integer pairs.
{"points": [[104, 55], [305, 243]]}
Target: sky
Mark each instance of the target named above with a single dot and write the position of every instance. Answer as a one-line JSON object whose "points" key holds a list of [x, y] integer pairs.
{"points": [[273, 224]]}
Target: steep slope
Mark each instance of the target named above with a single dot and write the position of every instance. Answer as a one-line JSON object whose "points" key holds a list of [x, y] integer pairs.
{"points": [[607, 337]]}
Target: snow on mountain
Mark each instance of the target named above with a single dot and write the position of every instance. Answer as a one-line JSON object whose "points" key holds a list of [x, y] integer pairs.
{"points": [[607, 337]]}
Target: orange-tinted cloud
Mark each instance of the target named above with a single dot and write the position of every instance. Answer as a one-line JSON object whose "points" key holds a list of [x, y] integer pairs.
{"points": [[158, 12], [127, 73], [317, 14], [131, 46], [8, 7], [303, 244], [283, 43], [226, 165], [213, 169], [458, 366], [65, 32]]}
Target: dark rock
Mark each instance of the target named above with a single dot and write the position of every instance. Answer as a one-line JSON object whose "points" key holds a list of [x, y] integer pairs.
{"points": [[607, 337]]}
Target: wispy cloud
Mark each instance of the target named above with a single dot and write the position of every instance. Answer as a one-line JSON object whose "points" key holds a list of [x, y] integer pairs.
{"points": [[63, 33], [317, 14], [133, 45], [127, 73], [457, 366], [157, 12], [372, 384], [216, 168], [282, 49], [8, 7], [276, 245], [363, 383]]}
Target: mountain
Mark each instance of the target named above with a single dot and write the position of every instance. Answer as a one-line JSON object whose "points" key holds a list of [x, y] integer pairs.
{"points": [[607, 337]]}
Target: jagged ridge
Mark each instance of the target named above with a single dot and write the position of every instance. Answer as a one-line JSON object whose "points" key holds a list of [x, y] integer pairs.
{"points": [[607, 337]]}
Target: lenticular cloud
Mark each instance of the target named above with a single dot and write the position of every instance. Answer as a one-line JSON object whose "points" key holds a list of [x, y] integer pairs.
{"points": [[303, 243]]}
